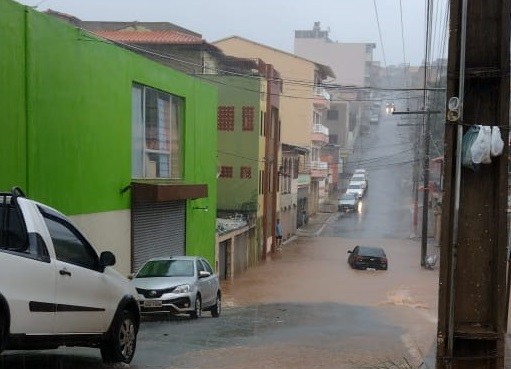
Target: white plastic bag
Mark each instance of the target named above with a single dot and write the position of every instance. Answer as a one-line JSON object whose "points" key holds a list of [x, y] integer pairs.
{"points": [[482, 146], [497, 145]]}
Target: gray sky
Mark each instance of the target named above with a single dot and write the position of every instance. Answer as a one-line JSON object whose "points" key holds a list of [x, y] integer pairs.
{"points": [[273, 22]]}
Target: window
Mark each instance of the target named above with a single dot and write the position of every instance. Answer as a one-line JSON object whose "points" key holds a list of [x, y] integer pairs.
{"points": [[247, 117], [200, 267], [245, 172], [207, 266], [69, 246], [332, 114], [225, 172], [14, 237], [157, 120], [225, 118]]}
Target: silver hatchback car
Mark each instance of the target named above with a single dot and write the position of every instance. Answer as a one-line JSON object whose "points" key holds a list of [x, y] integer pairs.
{"points": [[178, 285]]}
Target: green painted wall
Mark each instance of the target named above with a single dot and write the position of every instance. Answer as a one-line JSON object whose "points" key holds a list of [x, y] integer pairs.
{"points": [[239, 148], [12, 96], [78, 111]]}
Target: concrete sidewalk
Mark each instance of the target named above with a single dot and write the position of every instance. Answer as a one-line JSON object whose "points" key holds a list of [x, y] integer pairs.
{"points": [[313, 227]]}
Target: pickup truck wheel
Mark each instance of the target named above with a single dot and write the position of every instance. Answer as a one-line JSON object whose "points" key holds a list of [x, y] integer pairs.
{"points": [[217, 308], [122, 341]]}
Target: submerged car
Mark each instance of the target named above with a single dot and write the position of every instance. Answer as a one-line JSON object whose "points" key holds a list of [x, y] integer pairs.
{"points": [[178, 285], [364, 257]]}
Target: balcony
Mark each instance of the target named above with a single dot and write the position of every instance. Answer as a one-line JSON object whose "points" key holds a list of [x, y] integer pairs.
{"points": [[321, 98], [319, 169], [319, 134]]}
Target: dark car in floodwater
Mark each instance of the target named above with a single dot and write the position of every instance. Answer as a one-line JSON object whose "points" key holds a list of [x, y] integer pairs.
{"points": [[368, 257]]}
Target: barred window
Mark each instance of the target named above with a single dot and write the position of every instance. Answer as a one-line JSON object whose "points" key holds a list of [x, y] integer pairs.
{"points": [[245, 172], [225, 172], [225, 118], [247, 116]]}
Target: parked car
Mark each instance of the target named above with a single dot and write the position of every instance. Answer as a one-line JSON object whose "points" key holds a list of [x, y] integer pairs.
{"points": [[178, 285], [348, 203], [360, 171], [359, 177], [356, 188], [363, 257], [54, 288]]}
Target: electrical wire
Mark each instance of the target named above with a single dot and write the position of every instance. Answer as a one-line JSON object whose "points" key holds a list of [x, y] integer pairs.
{"points": [[329, 86], [402, 31], [381, 41]]}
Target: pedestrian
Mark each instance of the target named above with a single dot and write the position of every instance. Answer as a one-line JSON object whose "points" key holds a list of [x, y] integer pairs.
{"points": [[278, 233]]}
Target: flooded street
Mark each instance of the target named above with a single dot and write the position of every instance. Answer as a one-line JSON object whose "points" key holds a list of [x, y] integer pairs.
{"points": [[336, 316], [305, 307]]}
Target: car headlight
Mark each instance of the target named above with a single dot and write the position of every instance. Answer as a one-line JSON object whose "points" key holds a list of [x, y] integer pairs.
{"points": [[184, 288]]}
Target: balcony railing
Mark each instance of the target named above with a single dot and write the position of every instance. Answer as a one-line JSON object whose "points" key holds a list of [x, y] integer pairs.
{"points": [[319, 169], [319, 165], [320, 91], [321, 98], [319, 128]]}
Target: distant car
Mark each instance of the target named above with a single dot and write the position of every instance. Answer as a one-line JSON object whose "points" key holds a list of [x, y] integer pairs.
{"points": [[360, 171], [357, 188], [348, 203], [359, 177], [178, 285], [363, 257]]}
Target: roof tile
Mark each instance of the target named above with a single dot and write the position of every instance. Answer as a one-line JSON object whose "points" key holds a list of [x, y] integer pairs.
{"points": [[150, 37]]}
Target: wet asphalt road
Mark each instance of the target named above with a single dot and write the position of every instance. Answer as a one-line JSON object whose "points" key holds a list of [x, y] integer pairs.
{"points": [[385, 210], [304, 307]]}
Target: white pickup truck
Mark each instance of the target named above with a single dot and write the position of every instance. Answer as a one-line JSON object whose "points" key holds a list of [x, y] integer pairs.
{"points": [[54, 288]]}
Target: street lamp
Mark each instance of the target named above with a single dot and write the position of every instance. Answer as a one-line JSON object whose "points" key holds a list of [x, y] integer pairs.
{"points": [[390, 108]]}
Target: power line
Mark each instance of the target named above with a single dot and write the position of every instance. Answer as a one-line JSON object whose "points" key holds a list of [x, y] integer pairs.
{"points": [[402, 31], [307, 83], [381, 40]]}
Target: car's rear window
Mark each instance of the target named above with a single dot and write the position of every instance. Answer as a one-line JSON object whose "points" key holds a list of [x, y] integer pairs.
{"points": [[348, 196], [371, 251], [355, 186]]}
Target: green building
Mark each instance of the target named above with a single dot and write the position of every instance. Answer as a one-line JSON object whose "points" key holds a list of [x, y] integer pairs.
{"points": [[122, 144]]}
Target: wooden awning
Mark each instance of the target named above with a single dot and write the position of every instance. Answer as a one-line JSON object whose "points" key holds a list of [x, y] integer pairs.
{"points": [[159, 192]]}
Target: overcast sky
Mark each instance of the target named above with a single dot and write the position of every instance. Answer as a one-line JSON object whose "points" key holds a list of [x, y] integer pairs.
{"points": [[273, 22]]}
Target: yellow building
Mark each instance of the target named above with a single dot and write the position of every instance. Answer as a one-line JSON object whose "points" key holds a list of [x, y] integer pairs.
{"points": [[302, 102]]}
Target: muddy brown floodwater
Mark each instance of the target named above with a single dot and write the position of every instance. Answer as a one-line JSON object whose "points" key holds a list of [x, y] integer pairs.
{"points": [[313, 271]]}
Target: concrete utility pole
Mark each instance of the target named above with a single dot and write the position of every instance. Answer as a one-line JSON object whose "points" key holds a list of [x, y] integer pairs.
{"points": [[472, 292]]}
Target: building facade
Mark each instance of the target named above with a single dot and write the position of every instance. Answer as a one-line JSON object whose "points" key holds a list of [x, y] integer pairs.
{"points": [[118, 142], [248, 129], [355, 73], [297, 110]]}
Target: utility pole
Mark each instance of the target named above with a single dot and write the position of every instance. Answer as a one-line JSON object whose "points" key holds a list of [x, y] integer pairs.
{"points": [[425, 194], [472, 311]]}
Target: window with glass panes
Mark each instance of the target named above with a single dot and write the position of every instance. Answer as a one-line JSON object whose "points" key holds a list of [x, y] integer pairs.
{"points": [[157, 144]]}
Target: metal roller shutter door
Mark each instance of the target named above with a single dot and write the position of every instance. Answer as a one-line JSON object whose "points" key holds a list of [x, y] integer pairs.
{"points": [[240, 253], [158, 230]]}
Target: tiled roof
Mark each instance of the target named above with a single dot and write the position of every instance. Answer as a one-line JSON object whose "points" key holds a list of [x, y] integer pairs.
{"points": [[151, 37]]}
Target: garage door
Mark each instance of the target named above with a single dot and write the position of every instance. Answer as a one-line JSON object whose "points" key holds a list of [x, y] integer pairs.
{"points": [[158, 230]]}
